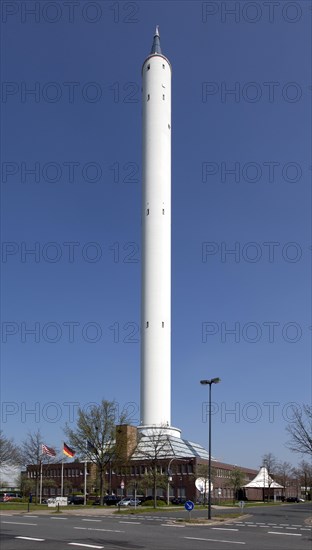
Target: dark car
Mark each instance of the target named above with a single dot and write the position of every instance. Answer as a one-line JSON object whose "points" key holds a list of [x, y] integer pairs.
{"points": [[109, 500], [292, 499], [178, 500], [76, 499]]}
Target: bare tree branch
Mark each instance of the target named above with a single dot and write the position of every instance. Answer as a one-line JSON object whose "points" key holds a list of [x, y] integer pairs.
{"points": [[94, 436], [9, 453], [300, 431]]}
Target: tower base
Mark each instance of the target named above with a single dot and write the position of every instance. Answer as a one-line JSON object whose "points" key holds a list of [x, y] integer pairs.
{"points": [[159, 430]]}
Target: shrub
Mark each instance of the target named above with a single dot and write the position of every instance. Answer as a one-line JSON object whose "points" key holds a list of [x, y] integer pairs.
{"points": [[151, 503]]}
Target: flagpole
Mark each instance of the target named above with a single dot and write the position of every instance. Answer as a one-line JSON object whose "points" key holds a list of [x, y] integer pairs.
{"points": [[85, 477], [62, 478], [85, 483], [40, 490]]}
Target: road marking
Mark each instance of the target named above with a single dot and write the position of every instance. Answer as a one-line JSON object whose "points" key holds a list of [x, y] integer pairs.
{"points": [[57, 518], [31, 516], [223, 529], [295, 528], [84, 545], [216, 540], [284, 524], [295, 525], [272, 524], [99, 529], [260, 522], [171, 525], [19, 523], [30, 538], [288, 534], [305, 529], [131, 522], [83, 519]]}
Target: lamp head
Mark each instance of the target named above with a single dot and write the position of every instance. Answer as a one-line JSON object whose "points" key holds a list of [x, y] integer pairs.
{"points": [[212, 381]]}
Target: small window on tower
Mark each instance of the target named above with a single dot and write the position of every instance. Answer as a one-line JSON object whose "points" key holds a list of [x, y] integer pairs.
{"points": [[163, 96], [147, 324], [148, 97], [147, 212], [163, 211], [148, 67], [169, 126], [163, 66], [162, 324]]}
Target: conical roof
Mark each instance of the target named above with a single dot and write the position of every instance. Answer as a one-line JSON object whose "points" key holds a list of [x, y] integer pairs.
{"points": [[263, 481]]}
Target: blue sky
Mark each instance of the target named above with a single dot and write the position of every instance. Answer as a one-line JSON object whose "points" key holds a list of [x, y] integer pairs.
{"points": [[240, 101]]}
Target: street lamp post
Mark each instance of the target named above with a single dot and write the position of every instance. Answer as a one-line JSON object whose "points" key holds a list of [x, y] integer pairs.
{"points": [[205, 383]]}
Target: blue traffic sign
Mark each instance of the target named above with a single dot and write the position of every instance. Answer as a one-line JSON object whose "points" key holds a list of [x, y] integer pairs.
{"points": [[189, 505]]}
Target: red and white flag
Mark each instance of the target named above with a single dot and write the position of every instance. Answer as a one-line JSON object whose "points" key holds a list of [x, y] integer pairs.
{"points": [[47, 450]]}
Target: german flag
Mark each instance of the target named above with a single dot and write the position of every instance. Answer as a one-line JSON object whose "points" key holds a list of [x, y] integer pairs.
{"points": [[68, 451]]}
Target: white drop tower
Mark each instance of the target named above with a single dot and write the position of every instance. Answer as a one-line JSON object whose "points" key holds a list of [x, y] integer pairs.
{"points": [[156, 243]]}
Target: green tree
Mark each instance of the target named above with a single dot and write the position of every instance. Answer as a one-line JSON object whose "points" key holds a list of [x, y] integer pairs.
{"points": [[236, 481], [154, 449], [202, 472], [93, 438]]}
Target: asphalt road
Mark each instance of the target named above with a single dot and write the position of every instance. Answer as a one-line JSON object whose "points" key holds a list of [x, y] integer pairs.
{"points": [[264, 529]]}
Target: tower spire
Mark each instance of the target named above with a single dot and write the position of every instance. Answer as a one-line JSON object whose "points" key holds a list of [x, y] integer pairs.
{"points": [[156, 42]]}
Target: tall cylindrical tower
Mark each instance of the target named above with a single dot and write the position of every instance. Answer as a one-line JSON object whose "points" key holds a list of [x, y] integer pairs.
{"points": [[156, 240]]}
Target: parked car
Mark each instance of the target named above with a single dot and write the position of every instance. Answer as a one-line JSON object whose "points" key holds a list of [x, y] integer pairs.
{"points": [[129, 502], [75, 499], [292, 499], [179, 500], [111, 500]]}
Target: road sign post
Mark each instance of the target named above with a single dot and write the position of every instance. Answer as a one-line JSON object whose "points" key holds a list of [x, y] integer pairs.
{"points": [[189, 506]]}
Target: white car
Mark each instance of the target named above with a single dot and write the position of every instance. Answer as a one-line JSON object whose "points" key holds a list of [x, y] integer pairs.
{"points": [[129, 502]]}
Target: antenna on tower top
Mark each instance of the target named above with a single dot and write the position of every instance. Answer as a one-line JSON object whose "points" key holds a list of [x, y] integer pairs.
{"points": [[156, 49]]}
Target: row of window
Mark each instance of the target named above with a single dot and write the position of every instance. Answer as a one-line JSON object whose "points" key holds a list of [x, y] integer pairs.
{"points": [[143, 470], [68, 472], [148, 211], [149, 97], [162, 324], [148, 67]]}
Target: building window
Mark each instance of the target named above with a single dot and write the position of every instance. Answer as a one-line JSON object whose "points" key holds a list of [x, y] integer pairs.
{"points": [[148, 97], [147, 323], [163, 97], [162, 324], [163, 211], [163, 65], [148, 67], [169, 126], [147, 212]]}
